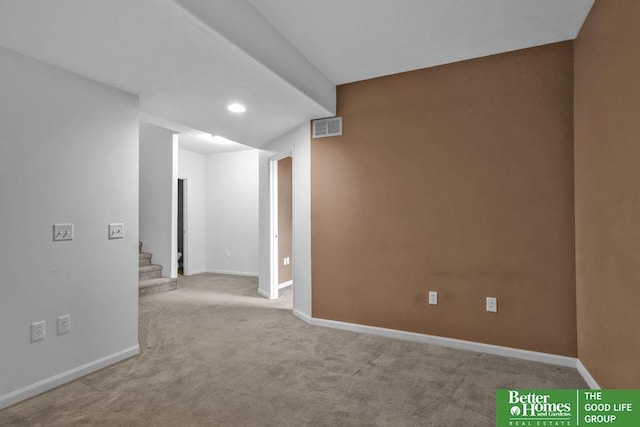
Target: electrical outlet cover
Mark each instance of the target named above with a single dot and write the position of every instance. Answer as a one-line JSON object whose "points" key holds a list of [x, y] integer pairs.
{"points": [[433, 298], [64, 324], [38, 331], [492, 304]]}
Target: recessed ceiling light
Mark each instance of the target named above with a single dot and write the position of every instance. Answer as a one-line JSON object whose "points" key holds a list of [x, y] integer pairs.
{"points": [[236, 108]]}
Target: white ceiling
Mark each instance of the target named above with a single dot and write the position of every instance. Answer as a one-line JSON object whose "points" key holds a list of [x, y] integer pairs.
{"points": [[205, 143], [361, 39], [183, 70], [188, 59]]}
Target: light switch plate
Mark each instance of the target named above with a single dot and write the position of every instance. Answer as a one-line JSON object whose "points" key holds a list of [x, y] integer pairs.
{"points": [[116, 231], [62, 232]]}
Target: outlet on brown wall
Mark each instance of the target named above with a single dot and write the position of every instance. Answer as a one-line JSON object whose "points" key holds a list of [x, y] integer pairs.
{"points": [[459, 179]]}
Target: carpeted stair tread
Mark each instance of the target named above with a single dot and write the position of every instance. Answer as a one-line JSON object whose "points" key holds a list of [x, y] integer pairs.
{"points": [[148, 268], [154, 282], [156, 286], [150, 280], [147, 272], [144, 259]]}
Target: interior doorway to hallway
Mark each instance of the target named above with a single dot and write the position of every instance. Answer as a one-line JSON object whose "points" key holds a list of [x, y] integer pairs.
{"points": [[281, 167]]}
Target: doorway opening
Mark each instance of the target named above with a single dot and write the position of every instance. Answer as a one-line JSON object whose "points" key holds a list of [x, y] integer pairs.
{"points": [[181, 231], [281, 167]]}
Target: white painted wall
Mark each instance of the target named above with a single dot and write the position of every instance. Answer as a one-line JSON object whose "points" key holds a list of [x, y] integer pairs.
{"points": [[158, 196], [68, 154], [298, 141], [302, 222], [193, 167], [264, 239], [232, 213]]}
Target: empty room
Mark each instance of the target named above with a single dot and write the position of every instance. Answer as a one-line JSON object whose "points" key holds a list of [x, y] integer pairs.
{"points": [[297, 212]]}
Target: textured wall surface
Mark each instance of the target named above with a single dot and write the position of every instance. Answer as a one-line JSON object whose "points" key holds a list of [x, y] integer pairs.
{"points": [[607, 176], [457, 179]]}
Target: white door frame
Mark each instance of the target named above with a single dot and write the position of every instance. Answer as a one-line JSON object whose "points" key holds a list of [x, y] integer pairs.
{"points": [[273, 235]]}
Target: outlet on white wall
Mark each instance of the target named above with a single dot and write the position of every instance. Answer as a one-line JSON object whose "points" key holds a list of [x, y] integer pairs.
{"points": [[492, 304], [64, 324], [228, 253], [38, 331]]}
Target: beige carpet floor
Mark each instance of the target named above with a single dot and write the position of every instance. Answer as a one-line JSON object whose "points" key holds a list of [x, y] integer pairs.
{"points": [[215, 353]]}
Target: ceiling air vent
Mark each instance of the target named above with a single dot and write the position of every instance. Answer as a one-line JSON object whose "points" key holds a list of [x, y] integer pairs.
{"points": [[327, 127]]}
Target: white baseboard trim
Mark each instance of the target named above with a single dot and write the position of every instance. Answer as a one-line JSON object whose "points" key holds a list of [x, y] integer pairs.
{"points": [[285, 284], [192, 273], [551, 359], [534, 356], [232, 273], [302, 316], [591, 382], [65, 377], [263, 293]]}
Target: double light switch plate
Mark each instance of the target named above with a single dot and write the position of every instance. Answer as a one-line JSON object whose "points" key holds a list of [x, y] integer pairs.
{"points": [[116, 231], [62, 232]]}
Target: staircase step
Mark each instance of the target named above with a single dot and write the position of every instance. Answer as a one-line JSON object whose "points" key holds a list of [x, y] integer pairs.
{"points": [[147, 272], [144, 258], [156, 286]]}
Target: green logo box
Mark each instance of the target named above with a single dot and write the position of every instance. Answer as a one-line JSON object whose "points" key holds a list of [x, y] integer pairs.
{"points": [[547, 408]]}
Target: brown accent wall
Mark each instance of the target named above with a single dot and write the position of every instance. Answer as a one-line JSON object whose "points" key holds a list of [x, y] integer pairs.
{"points": [[285, 219], [457, 179], [607, 177]]}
